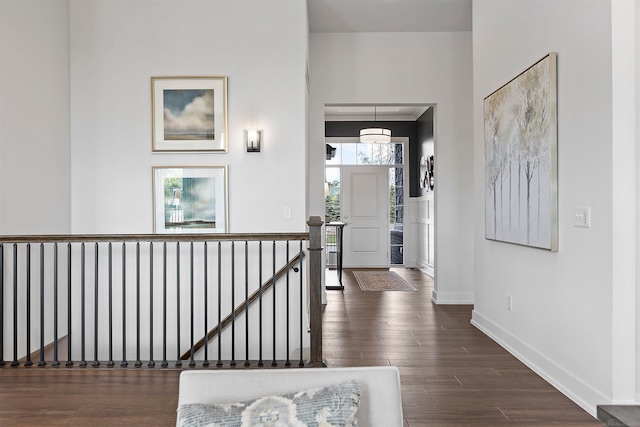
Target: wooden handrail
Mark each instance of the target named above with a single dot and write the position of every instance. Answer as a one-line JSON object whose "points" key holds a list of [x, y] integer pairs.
{"points": [[242, 307], [97, 282], [198, 237]]}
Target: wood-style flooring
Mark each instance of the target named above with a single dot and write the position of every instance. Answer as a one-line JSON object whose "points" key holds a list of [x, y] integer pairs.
{"points": [[451, 374]]}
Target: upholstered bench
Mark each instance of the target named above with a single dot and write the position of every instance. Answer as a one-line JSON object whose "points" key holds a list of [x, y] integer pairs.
{"points": [[202, 393]]}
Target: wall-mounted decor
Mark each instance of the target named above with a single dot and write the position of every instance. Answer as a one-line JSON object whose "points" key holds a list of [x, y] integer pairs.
{"points": [[431, 176], [189, 113], [190, 199], [521, 158], [427, 173]]}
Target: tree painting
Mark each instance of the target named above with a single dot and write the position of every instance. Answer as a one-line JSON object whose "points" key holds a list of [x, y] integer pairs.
{"points": [[520, 134]]}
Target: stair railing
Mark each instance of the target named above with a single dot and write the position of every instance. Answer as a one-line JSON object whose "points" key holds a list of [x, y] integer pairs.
{"points": [[112, 300]]}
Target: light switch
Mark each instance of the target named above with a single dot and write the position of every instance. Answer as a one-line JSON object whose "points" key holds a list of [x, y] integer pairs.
{"points": [[286, 212], [582, 216]]}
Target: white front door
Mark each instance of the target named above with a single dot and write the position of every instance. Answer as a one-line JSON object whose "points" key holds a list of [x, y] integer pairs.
{"points": [[365, 210]]}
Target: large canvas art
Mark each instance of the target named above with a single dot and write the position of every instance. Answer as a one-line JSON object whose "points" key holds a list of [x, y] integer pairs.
{"points": [[520, 139]]}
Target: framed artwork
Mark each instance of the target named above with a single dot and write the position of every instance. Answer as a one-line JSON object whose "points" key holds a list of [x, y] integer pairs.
{"points": [[521, 158], [190, 199], [189, 113]]}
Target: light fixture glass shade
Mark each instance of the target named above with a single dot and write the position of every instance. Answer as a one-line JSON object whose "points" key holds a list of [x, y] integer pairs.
{"points": [[252, 138], [375, 135]]}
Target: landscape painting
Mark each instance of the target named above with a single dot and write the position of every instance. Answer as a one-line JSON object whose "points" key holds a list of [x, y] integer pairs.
{"points": [[520, 137], [189, 113], [189, 199]]}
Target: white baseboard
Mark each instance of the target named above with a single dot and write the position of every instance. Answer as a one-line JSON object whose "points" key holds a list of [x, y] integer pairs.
{"points": [[425, 268], [452, 298], [566, 382]]}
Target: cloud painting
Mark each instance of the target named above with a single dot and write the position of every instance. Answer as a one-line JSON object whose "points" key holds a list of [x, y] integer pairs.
{"points": [[189, 114]]}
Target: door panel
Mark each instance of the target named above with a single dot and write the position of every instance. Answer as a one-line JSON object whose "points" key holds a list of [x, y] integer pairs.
{"points": [[365, 240], [365, 209]]}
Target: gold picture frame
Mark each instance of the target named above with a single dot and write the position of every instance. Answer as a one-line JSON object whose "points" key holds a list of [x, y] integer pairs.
{"points": [[190, 199], [189, 114]]}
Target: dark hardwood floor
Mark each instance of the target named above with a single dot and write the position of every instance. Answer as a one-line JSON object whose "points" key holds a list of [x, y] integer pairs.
{"points": [[451, 374]]}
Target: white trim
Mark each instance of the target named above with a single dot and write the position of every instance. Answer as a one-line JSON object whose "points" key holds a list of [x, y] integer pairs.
{"points": [[425, 268], [559, 377], [623, 157], [452, 298]]}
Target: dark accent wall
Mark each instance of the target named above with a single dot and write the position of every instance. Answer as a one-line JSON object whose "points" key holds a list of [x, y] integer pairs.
{"points": [[423, 147], [398, 129]]}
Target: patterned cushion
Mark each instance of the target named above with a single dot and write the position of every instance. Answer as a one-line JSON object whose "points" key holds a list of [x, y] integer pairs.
{"points": [[331, 406]]}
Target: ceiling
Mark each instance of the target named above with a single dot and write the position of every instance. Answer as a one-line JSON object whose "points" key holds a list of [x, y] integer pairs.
{"points": [[363, 16], [359, 113]]}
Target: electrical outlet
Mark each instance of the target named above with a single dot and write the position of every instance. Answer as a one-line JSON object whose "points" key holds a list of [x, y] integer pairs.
{"points": [[509, 303]]}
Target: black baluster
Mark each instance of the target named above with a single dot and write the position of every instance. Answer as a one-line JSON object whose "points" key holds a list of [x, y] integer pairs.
{"points": [[123, 362], [83, 361], [15, 306], [178, 361], [288, 362], [164, 305], [233, 303], [56, 362], [192, 363], [206, 305], [219, 303], [260, 304], [138, 361], [96, 363], [28, 361], [301, 362], [246, 302], [110, 363], [41, 362], [151, 363], [273, 286], [69, 293]]}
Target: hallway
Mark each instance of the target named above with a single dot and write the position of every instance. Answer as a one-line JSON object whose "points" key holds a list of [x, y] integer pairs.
{"points": [[451, 373]]}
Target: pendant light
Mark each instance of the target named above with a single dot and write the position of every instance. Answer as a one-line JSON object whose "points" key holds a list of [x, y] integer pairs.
{"points": [[377, 135]]}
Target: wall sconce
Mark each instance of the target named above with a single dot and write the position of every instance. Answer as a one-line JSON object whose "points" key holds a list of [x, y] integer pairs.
{"points": [[253, 137], [331, 151]]}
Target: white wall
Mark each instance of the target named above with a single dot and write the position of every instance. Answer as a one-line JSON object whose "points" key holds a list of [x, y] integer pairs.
{"points": [[637, 178], [34, 117], [624, 282], [117, 45], [423, 68], [563, 323]]}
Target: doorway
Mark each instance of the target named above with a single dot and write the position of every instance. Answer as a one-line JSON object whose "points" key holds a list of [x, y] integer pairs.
{"points": [[364, 190], [411, 200], [365, 213]]}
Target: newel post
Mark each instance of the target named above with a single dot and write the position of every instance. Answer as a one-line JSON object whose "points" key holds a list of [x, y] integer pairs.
{"points": [[315, 291]]}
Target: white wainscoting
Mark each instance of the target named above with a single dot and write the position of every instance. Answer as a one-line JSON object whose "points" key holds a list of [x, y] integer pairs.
{"points": [[422, 233]]}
